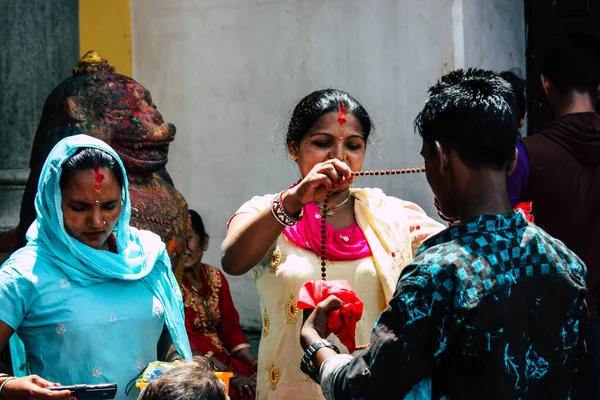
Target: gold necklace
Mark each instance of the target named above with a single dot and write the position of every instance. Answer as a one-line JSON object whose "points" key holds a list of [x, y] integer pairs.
{"points": [[331, 210], [326, 209]]}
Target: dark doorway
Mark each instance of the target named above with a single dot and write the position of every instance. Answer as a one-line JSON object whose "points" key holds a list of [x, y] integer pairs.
{"points": [[544, 19]]}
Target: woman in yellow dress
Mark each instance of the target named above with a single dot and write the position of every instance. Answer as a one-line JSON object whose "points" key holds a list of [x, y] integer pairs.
{"points": [[370, 237]]}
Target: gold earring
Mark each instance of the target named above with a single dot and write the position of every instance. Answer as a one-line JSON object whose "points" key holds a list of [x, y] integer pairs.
{"points": [[103, 222], [293, 157]]}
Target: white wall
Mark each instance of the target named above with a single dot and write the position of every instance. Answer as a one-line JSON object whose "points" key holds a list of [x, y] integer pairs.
{"points": [[228, 73], [494, 34]]}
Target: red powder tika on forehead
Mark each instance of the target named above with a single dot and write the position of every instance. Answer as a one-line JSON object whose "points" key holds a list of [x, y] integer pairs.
{"points": [[99, 178], [342, 114]]}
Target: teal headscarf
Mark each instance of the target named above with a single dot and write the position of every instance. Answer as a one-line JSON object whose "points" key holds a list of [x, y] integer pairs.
{"points": [[141, 254]]}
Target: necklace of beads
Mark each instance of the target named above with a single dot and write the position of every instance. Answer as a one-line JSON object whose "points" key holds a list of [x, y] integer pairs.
{"points": [[327, 210]]}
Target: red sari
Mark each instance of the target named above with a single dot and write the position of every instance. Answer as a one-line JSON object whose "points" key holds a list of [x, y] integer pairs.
{"points": [[206, 329]]}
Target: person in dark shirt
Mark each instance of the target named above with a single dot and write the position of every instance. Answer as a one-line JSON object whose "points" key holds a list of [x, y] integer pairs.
{"points": [[558, 172], [491, 308]]}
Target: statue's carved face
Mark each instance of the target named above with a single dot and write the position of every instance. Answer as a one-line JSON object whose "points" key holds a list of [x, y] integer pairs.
{"points": [[121, 113]]}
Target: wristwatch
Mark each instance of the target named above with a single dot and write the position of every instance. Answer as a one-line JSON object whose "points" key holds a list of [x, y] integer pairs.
{"points": [[307, 362]]}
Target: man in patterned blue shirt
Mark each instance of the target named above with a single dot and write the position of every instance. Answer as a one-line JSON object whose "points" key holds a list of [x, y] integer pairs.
{"points": [[490, 308]]}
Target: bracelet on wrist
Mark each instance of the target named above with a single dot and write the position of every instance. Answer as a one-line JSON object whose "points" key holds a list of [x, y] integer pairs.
{"points": [[3, 381], [307, 363], [280, 214], [174, 356]]}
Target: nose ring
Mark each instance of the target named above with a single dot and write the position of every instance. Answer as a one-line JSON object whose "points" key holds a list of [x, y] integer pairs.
{"points": [[103, 222]]}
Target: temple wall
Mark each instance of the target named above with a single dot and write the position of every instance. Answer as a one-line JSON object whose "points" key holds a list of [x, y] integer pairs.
{"points": [[228, 72], [39, 44]]}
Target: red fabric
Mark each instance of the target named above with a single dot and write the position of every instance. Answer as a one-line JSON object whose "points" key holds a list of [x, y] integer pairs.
{"points": [[230, 330], [527, 210], [212, 321], [340, 244], [342, 321]]}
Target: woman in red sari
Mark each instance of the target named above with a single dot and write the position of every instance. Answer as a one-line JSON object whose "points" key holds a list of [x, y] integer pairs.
{"points": [[211, 320]]}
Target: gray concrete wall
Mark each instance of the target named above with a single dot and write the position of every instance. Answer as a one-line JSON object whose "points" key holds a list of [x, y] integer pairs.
{"points": [[39, 44], [494, 34], [228, 73]]}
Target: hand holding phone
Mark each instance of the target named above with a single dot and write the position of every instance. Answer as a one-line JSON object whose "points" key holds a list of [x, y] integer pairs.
{"points": [[83, 392]]}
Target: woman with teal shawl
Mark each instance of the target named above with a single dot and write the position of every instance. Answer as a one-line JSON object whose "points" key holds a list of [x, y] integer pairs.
{"points": [[86, 315]]}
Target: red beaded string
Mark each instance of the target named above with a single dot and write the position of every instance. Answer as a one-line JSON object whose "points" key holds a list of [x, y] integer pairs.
{"points": [[326, 203], [389, 172]]}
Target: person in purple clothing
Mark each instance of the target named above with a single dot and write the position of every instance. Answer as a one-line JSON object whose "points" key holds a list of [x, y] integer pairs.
{"points": [[558, 170], [519, 86]]}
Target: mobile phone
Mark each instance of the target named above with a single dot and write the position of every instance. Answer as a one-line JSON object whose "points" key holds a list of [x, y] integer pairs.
{"points": [[100, 391]]}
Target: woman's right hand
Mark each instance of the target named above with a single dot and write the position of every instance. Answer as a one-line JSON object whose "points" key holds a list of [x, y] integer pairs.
{"points": [[250, 237], [33, 387], [244, 385], [322, 179]]}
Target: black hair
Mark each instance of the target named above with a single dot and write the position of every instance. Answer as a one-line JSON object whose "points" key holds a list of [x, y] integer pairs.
{"points": [[89, 158], [319, 103], [472, 111], [519, 86], [572, 63], [198, 225], [190, 382]]}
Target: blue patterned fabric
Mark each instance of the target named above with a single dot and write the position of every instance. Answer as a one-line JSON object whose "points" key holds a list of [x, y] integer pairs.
{"points": [[491, 308], [87, 315]]}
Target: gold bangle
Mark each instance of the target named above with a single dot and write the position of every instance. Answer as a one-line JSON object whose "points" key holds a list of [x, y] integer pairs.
{"points": [[278, 211], [239, 347]]}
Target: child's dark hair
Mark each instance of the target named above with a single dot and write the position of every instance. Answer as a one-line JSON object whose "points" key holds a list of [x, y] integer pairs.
{"points": [[319, 103], [472, 111], [519, 86], [189, 382], [198, 225], [89, 158], [572, 63]]}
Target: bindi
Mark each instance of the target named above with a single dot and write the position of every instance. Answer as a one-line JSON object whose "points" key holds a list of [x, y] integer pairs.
{"points": [[98, 177], [342, 114]]}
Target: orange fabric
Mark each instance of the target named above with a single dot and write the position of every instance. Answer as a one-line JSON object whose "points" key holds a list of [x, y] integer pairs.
{"points": [[342, 321]]}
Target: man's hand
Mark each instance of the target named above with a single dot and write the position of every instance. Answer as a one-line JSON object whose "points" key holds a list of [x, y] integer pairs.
{"points": [[315, 324]]}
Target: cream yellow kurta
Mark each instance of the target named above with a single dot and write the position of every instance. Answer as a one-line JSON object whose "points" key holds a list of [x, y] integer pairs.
{"points": [[393, 228]]}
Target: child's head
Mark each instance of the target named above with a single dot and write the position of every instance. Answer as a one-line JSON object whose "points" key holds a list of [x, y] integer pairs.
{"points": [[519, 86], [188, 382], [468, 127]]}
